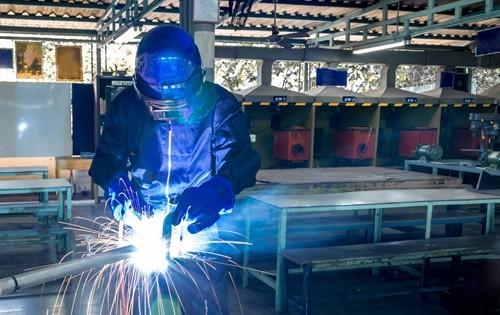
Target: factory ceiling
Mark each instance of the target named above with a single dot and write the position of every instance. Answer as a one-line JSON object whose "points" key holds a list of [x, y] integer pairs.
{"points": [[328, 23]]}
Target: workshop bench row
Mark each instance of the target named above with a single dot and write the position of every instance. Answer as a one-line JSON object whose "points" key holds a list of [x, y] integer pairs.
{"points": [[388, 254]]}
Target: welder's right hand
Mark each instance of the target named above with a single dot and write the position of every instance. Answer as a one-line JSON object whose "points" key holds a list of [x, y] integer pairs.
{"points": [[121, 195]]}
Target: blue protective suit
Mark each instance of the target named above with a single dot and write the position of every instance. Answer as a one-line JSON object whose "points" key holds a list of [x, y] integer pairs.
{"points": [[215, 141]]}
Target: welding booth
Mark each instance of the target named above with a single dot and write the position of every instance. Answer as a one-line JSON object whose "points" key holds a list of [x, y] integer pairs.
{"points": [[345, 126], [407, 119], [455, 136], [280, 124]]}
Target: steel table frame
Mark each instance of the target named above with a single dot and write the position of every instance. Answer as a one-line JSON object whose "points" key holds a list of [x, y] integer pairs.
{"points": [[41, 171], [279, 284], [30, 186]]}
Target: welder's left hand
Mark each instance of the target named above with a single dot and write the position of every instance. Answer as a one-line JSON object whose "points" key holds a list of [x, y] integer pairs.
{"points": [[202, 206]]}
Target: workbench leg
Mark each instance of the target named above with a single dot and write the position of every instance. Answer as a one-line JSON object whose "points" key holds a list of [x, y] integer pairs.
{"points": [[377, 234], [280, 297], [377, 227], [60, 203], [424, 280], [306, 289], [453, 229], [490, 218], [428, 222], [455, 271], [246, 250], [69, 206], [45, 195]]}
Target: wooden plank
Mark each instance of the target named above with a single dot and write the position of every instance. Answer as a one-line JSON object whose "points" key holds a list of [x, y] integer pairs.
{"points": [[374, 198], [49, 162], [401, 250]]}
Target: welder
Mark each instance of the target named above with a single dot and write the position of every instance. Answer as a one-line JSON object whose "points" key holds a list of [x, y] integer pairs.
{"points": [[174, 132]]}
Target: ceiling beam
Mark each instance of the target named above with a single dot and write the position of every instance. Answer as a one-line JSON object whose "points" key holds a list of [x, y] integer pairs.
{"points": [[414, 32], [246, 38], [47, 31], [444, 58], [350, 16]]}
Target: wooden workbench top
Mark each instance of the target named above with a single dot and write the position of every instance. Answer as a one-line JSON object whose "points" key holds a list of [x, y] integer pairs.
{"points": [[374, 198]]}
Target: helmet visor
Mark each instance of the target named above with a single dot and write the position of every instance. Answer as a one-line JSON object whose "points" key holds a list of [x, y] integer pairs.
{"points": [[163, 73]]}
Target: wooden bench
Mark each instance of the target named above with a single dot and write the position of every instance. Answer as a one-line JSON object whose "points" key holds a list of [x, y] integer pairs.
{"points": [[383, 255], [424, 200]]}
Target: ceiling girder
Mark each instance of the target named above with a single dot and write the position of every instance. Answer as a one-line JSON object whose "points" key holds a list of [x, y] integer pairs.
{"points": [[406, 19]]}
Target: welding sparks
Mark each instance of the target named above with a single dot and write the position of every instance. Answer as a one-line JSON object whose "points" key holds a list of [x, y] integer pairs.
{"points": [[150, 280]]}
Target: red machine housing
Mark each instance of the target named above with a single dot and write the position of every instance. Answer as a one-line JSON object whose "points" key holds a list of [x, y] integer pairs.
{"points": [[354, 143], [293, 144], [410, 138], [463, 138]]}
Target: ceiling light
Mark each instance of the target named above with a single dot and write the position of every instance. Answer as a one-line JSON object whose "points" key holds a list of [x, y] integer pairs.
{"points": [[390, 45]]}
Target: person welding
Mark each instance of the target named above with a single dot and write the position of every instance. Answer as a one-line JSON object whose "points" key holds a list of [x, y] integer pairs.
{"points": [[174, 138]]}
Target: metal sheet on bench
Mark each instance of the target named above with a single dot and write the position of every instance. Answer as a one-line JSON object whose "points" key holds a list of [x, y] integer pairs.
{"points": [[414, 249], [7, 186], [345, 175], [375, 198]]}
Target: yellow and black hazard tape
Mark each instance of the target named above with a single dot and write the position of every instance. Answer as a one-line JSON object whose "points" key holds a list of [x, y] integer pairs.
{"points": [[367, 104]]}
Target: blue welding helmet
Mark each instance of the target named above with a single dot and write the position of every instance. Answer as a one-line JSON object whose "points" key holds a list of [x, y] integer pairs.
{"points": [[168, 72]]}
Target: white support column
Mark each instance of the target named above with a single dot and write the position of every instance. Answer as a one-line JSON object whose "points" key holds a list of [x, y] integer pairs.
{"points": [[198, 17], [388, 76], [264, 72]]}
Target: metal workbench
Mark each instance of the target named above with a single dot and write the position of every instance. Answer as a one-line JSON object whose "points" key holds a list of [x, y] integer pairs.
{"points": [[30, 186], [340, 179], [466, 170], [44, 209], [41, 171], [376, 200]]}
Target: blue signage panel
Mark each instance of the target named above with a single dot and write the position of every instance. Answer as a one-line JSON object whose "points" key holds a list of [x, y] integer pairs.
{"points": [[411, 100], [280, 98], [6, 58], [488, 42], [325, 76], [348, 99], [468, 100]]}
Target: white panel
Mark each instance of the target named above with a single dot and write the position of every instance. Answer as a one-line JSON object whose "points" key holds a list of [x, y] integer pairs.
{"points": [[206, 11], [35, 119]]}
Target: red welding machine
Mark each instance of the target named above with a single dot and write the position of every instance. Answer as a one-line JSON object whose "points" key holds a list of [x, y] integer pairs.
{"points": [[354, 143], [292, 144], [410, 138]]}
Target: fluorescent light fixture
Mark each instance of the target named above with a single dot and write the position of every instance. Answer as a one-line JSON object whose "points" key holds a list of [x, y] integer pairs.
{"points": [[382, 47]]}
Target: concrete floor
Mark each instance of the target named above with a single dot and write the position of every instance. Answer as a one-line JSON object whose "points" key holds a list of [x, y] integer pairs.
{"points": [[333, 293]]}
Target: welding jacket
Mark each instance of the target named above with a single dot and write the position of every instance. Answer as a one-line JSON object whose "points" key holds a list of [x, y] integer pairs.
{"points": [[215, 141]]}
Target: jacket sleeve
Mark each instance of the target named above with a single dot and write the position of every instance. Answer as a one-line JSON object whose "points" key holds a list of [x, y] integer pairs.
{"points": [[111, 156], [234, 157]]}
